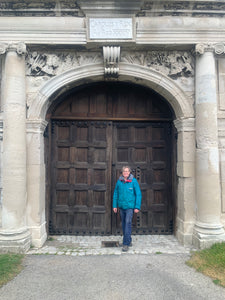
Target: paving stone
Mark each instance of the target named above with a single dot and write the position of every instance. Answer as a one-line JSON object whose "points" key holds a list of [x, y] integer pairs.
{"points": [[92, 245]]}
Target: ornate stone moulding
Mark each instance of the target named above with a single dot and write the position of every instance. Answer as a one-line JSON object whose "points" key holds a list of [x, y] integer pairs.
{"points": [[217, 48], [109, 7], [20, 48], [40, 8], [111, 60], [172, 63], [183, 8]]}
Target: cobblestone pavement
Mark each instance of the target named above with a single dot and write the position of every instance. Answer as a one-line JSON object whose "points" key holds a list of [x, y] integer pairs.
{"points": [[93, 245]]}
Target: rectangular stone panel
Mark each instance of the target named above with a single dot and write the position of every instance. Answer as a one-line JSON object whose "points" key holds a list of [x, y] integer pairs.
{"points": [[110, 28]]}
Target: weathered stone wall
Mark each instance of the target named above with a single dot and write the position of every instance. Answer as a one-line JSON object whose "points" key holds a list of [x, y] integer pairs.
{"points": [[160, 55]]}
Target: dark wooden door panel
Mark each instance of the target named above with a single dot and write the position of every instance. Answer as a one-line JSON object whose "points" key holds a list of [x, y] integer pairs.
{"points": [[145, 147], [81, 181]]}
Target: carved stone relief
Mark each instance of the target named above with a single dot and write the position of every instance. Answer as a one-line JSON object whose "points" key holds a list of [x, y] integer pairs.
{"points": [[51, 64], [172, 63], [80, 8], [178, 65], [40, 8], [185, 8]]}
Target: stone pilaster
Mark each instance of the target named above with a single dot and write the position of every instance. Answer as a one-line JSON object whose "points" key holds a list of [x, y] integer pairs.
{"points": [[36, 219], [14, 235], [208, 228], [186, 179]]}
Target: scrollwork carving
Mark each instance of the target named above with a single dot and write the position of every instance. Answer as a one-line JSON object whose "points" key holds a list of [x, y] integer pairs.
{"points": [[20, 48], [3, 48], [199, 48], [40, 64], [218, 48], [172, 63]]}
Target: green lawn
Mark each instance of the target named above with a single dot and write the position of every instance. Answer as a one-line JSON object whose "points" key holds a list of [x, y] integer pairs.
{"points": [[10, 266], [210, 262]]}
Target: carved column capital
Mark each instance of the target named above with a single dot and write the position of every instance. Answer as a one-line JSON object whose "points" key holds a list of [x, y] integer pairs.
{"points": [[217, 48], [19, 48], [111, 60], [3, 48], [202, 48]]}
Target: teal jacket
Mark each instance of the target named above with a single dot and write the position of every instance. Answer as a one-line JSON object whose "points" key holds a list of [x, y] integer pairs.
{"points": [[127, 194]]}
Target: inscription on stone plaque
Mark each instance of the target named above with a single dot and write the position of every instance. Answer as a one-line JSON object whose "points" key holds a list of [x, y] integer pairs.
{"points": [[110, 28]]}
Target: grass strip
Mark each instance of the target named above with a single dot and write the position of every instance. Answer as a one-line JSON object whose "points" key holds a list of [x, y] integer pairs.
{"points": [[10, 266], [210, 262]]}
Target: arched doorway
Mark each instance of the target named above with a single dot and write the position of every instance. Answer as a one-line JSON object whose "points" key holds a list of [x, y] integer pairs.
{"points": [[93, 132]]}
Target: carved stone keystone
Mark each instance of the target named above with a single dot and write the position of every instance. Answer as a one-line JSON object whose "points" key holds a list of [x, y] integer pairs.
{"points": [[111, 60]]}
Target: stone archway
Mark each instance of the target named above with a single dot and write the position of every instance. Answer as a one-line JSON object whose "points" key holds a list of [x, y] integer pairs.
{"points": [[92, 73], [157, 81]]}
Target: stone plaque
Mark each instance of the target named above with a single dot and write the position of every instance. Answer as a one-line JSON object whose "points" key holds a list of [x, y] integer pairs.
{"points": [[110, 28]]}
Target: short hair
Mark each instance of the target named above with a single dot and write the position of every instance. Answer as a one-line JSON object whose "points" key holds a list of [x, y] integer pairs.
{"points": [[126, 167]]}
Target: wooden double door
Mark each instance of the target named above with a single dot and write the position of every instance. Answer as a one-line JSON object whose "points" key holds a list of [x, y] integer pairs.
{"points": [[85, 159]]}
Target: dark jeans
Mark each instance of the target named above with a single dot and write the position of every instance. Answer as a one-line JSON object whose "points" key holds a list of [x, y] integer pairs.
{"points": [[126, 218]]}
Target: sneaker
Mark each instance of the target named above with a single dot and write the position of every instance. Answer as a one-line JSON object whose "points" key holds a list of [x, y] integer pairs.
{"points": [[125, 248]]}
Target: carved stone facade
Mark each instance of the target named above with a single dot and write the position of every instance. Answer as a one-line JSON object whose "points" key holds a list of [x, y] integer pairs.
{"points": [[176, 49], [173, 63]]}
